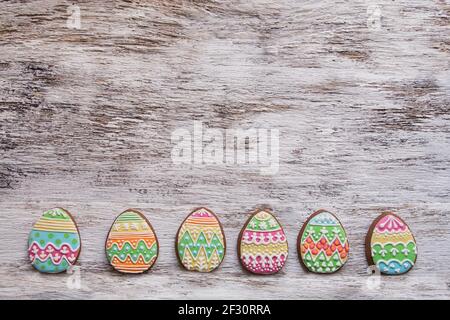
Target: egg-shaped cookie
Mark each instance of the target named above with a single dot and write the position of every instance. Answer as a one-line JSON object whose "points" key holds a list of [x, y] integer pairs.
{"points": [[54, 242], [390, 245], [262, 245], [322, 243], [132, 245], [200, 241]]}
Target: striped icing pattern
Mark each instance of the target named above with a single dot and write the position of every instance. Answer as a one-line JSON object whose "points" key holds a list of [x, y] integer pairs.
{"points": [[54, 243], [131, 246], [392, 245], [263, 247]]}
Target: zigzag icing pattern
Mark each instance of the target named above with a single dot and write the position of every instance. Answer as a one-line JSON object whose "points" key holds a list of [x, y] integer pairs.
{"points": [[316, 248], [200, 241], [195, 231], [324, 246], [200, 262]]}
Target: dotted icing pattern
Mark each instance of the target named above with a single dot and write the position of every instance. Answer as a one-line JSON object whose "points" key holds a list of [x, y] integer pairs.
{"points": [[324, 245], [392, 246], [200, 242], [263, 244], [131, 246], [54, 242]]}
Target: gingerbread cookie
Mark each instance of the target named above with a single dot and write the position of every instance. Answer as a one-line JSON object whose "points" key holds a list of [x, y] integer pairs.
{"points": [[200, 241], [390, 245], [132, 246], [54, 243], [262, 246], [322, 243]]}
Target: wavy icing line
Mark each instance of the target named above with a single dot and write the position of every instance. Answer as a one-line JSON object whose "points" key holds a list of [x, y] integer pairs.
{"points": [[52, 252], [147, 243], [50, 244], [394, 248], [396, 260], [133, 253], [398, 266], [393, 243]]}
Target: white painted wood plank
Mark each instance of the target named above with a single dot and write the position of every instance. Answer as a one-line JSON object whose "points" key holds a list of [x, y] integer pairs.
{"points": [[86, 118]]}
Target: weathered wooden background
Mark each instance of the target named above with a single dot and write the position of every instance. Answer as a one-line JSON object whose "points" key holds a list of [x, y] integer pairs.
{"points": [[360, 91]]}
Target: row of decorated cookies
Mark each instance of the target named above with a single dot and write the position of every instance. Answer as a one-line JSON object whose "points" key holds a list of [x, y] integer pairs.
{"points": [[132, 245]]}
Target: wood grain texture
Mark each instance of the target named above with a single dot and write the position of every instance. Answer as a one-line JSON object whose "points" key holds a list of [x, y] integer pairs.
{"points": [[361, 98]]}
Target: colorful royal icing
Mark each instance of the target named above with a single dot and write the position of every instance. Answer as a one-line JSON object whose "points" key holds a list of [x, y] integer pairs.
{"points": [[201, 242], [392, 245], [54, 242], [323, 244], [132, 246], [263, 247]]}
